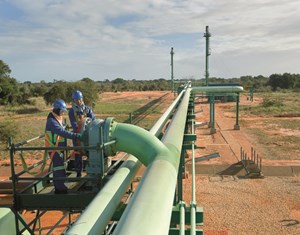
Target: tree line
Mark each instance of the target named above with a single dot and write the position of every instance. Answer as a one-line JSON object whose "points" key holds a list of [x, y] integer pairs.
{"points": [[13, 92]]}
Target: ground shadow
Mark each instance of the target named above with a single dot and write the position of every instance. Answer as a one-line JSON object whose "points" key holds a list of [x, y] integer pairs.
{"points": [[233, 169], [28, 111], [290, 222], [141, 113]]}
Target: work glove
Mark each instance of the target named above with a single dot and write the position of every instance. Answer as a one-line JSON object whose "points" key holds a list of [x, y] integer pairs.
{"points": [[79, 137]]}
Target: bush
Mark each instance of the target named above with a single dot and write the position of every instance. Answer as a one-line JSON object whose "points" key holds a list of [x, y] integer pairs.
{"points": [[8, 129], [271, 102], [9, 90]]}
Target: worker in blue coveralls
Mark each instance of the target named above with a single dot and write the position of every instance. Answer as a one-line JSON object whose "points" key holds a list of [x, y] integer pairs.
{"points": [[77, 113], [56, 136]]}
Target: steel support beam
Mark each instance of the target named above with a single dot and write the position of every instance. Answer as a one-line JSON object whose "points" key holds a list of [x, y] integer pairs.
{"points": [[213, 91], [237, 126]]}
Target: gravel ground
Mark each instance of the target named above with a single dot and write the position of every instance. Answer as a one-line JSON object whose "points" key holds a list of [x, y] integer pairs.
{"points": [[247, 206], [236, 205]]}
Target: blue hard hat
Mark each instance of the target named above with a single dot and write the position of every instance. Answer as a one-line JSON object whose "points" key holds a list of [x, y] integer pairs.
{"points": [[59, 104], [77, 95]]}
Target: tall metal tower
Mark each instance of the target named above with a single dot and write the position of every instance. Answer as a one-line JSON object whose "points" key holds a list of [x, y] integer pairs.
{"points": [[172, 74], [207, 35]]}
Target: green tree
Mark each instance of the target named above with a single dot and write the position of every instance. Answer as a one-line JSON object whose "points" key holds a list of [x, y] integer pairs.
{"points": [[87, 80], [297, 82], [285, 81], [63, 90], [118, 80], [4, 69], [57, 91], [39, 89], [9, 90]]}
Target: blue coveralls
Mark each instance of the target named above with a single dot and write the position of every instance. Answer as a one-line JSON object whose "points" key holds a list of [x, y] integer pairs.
{"points": [[76, 118], [56, 135]]}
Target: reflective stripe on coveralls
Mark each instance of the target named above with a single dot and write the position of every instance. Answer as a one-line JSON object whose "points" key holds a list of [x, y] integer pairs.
{"points": [[49, 143], [79, 121]]}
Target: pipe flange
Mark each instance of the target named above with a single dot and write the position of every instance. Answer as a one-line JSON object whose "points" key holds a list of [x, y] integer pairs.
{"points": [[109, 150]]}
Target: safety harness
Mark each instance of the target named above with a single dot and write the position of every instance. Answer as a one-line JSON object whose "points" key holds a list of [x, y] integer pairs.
{"points": [[53, 140], [79, 121]]}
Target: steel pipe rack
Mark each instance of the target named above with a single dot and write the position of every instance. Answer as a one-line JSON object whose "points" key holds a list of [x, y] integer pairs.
{"points": [[152, 208], [107, 199]]}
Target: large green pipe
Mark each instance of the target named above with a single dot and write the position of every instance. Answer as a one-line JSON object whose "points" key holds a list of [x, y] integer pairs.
{"points": [[7, 222], [99, 212], [159, 125], [134, 140], [149, 211], [182, 218], [159, 179], [217, 89], [130, 139]]}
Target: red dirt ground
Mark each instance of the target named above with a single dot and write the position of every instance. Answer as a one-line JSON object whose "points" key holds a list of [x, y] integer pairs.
{"points": [[231, 205], [234, 205]]}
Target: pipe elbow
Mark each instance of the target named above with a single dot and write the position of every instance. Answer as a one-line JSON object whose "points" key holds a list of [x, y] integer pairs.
{"points": [[132, 139]]}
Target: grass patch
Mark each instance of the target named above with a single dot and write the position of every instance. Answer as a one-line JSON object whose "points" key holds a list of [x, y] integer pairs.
{"points": [[279, 138], [33, 128], [126, 107], [276, 144], [287, 124], [32, 110], [278, 104], [32, 118], [115, 108], [8, 128], [37, 108]]}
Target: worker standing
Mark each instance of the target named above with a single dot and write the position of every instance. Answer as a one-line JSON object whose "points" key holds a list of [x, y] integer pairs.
{"points": [[77, 113], [56, 136]]}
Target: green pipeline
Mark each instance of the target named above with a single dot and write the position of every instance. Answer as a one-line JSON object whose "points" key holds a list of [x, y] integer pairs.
{"points": [[216, 89], [98, 213], [150, 209], [134, 140]]}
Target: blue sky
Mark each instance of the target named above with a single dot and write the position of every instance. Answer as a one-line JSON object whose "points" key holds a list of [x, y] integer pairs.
{"points": [[132, 39]]}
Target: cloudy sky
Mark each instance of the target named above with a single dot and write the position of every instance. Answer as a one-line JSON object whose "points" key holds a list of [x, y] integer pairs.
{"points": [[132, 39]]}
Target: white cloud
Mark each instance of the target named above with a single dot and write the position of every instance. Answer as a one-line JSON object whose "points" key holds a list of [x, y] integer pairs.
{"points": [[72, 39]]}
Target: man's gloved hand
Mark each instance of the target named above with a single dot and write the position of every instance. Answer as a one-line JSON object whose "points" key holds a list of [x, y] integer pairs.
{"points": [[79, 137]]}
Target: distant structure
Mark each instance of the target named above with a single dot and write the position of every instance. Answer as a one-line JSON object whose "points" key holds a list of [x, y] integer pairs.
{"points": [[172, 74], [207, 35]]}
